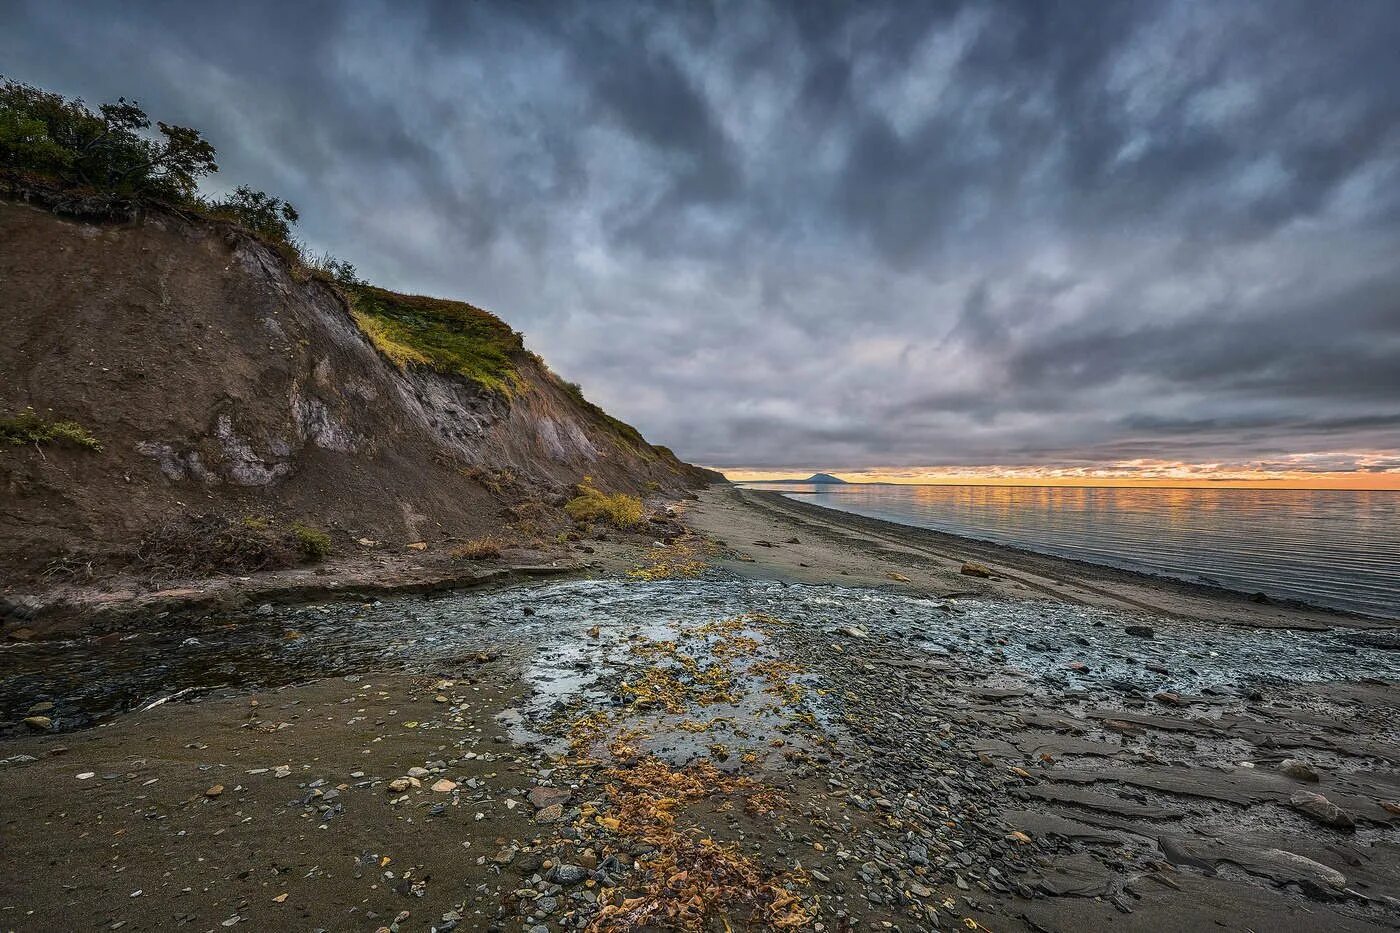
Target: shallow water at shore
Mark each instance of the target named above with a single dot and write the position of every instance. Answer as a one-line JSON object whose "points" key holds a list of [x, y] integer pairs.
{"points": [[272, 646], [1334, 548]]}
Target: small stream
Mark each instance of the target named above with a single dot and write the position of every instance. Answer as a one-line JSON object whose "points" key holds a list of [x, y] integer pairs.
{"points": [[89, 680]]}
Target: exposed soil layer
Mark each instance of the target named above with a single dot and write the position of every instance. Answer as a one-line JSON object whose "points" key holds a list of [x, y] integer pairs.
{"points": [[219, 381]]}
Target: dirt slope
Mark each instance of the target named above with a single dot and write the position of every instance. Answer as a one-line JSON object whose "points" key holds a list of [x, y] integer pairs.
{"points": [[220, 382]]}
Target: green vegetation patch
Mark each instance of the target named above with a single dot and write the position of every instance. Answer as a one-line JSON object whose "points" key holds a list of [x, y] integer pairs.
{"points": [[446, 336], [28, 428], [591, 504], [313, 543]]}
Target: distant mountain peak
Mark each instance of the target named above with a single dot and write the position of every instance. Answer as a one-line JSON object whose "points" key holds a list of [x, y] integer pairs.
{"points": [[823, 478]]}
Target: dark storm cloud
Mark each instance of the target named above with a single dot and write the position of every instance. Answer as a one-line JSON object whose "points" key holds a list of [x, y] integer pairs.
{"points": [[843, 235]]}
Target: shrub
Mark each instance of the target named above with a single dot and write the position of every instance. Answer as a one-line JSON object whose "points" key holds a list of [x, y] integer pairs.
{"points": [[201, 545], [313, 543], [258, 211], [618, 509], [28, 428], [502, 484], [335, 270], [111, 150], [477, 549]]}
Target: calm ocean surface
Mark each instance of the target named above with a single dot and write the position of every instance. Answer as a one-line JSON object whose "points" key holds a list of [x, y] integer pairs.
{"points": [[1326, 547]]}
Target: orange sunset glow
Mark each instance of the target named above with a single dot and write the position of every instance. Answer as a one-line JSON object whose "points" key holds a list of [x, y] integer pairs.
{"points": [[1178, 475]]}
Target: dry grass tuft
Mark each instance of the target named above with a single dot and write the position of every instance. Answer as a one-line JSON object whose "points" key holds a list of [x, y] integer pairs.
{"points": [[487, 548], [591, 504]]}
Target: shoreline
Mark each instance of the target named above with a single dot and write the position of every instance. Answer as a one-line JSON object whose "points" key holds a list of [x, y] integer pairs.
{"points": [[932, 559], [755, 525]]}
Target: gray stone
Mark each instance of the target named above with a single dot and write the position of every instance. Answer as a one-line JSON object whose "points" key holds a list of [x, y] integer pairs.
{"points": [[1321, 809]]}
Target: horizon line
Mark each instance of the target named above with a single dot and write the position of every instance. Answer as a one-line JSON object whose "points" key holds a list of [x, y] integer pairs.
{"points": [[1294, 484]]}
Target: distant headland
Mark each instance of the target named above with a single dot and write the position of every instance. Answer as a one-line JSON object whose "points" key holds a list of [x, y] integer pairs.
{"points": [[814, 479]]}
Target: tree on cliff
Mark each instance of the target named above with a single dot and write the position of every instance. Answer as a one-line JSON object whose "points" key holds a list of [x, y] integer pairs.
{"points": [[111, 151]]}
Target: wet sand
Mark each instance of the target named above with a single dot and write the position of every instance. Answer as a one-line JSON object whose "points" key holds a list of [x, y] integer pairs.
{"points": [[785, 756]]}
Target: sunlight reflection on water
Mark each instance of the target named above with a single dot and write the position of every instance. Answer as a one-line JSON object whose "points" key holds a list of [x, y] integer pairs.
{"points": [[1337, 548]]}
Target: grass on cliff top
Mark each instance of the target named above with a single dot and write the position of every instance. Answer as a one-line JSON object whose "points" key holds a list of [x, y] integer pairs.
{"points": [[446, 336]]}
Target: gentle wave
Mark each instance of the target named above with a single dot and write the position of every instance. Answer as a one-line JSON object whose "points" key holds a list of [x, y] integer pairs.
{"points": [[1336, 548]]}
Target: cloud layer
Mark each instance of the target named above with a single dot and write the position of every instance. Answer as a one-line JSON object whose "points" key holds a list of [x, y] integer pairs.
{"points": [[847, 235]]}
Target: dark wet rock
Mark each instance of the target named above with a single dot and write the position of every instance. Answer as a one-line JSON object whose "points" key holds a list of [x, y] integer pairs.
{"points": [[1321, 809], [568, 875], [1037, 824], [1387, 641], [1082, 797], [1141, 631], [1165, 723], [996, 694], [1277, 865], [1079, 876], [1046, 720], [527, 863], [1034, 746]]}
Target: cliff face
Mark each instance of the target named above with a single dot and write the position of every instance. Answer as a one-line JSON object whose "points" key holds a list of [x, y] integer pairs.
{"points": [[218, 380]]}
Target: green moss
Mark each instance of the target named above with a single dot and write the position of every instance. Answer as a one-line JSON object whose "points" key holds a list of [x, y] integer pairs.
{"points": [[313, 543], [28, 428], [619, 509], [446, 336]]}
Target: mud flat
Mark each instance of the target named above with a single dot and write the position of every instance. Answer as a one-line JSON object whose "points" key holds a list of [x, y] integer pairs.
{"points": [[715, 737]]}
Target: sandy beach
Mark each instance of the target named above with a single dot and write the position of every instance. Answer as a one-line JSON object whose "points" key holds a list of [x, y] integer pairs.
{"points": [[784, 719]]}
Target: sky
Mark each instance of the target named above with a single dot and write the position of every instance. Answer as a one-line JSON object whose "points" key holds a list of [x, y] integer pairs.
{"points": [[1079, 242]]}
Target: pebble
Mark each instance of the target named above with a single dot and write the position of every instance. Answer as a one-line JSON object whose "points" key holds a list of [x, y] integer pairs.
{"points": [[550, 814], [1321, 809], [1299, 770], [568, 875]]}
